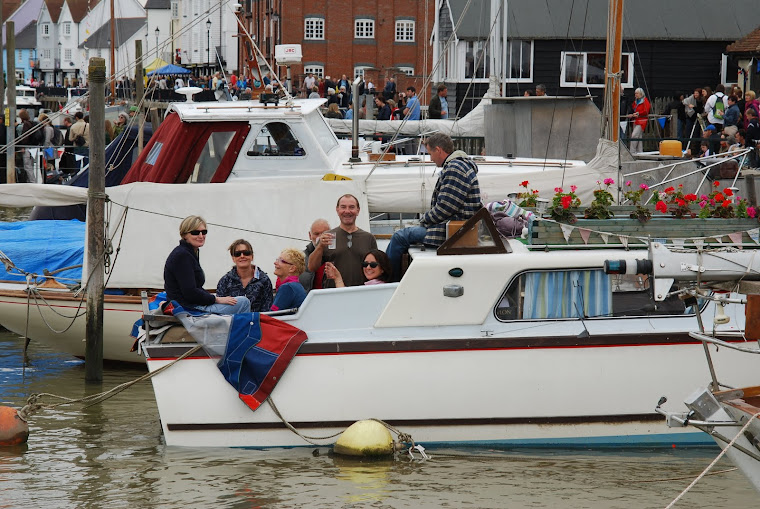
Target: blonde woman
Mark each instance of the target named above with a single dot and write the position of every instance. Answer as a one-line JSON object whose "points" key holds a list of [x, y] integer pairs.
{"points": [[289, 293]]}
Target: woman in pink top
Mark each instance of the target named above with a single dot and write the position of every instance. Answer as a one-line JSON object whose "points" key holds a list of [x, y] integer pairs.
{"points": [[376, 268]]}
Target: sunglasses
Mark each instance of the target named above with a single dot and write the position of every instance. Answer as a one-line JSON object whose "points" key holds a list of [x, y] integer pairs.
{"points": [[370, 264], [280, 260], [198, 232], [244, 252], [350, 238]]}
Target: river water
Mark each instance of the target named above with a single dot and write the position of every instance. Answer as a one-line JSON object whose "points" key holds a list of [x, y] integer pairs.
{"points": [[112, 455]]}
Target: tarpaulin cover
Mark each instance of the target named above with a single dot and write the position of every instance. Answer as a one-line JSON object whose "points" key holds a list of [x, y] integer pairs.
{"points": [[33, 246]]}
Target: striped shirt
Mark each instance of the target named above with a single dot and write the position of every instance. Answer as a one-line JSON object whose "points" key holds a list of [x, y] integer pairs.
{"points": [[456, 197]]}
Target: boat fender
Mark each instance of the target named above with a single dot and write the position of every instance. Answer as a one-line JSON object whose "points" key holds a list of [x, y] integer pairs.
{"points": [[365, 438], [13, 429]]}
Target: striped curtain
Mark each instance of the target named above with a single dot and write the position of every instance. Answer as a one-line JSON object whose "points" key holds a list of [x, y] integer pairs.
{"points": [[563, 294]]}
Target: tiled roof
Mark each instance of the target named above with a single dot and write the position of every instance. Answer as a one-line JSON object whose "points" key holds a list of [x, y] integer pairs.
{"points": [[54, 8], [79, 8], [748, 44]]}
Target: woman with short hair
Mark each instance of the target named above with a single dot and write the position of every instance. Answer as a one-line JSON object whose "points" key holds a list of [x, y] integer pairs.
{"points": [[184, 277], [289, 293]]}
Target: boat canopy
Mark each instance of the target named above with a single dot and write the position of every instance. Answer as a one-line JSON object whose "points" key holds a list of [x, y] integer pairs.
{"points": [[211, 149]]}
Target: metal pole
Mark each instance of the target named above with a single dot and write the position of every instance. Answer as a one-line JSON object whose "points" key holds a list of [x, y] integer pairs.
{"points": [[113, 55], [355, 121], [140, 89], [95, 227], [10, 115], [2, 65]]}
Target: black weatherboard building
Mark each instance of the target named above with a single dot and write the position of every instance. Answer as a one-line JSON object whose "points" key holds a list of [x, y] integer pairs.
{"points": [[672, 45]]}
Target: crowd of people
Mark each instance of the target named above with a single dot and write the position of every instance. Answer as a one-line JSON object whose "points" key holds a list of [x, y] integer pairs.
{"points": [[334, 257]]}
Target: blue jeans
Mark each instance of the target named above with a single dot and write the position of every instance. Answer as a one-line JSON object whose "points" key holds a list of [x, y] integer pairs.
{"points": [[243, 305], [399, 244]]}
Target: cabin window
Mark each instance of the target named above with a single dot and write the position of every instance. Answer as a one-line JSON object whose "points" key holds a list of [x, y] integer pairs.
{"points": [[314, 29], [476, 60], [276, 139], [324, 135], [211, 157], [570, 294], [587, 69], [364, 29], [404, 30], [520, 61]]}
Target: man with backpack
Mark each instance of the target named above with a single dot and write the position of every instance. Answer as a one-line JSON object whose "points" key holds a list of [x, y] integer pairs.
{"points": [[716, 107]]}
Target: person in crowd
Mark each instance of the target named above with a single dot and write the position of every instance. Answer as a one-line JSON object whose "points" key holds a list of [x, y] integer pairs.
{"points": [[376, 267], [396, 113], [692, 109], [184, 277], [343, 82], [412, 109], [345, 245], [121, 124], [641, 108], [27, 136], [47, 130], [344, 98], [246, 279], [529, 93], [732, 117], [540, 90], [456, 196], [67, 123], [383, 110], [333, 111], [389, 91], [349, 114], [79, 133], [712, 137], [439, 107], [313, 279], [750, 101], [716, 106], [314, 93], [308, 84], [289, 292], [329, 83], [108, 126], [331, 97]]}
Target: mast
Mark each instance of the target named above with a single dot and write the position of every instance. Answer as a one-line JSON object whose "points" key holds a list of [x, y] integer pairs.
{"points": [[611, 111], [113, 54]]}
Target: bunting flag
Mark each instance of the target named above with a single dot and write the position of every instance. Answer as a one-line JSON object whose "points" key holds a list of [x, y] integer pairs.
{"points": [[623, 240], [754, 234], [719, 239], [585, 234], [661, 121], [661, 241], [736, 238], [605, 237], [700, 243], [679, 243], [623, 125], [566, 231]]}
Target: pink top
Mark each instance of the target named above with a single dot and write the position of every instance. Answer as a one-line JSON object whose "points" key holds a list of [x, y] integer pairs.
{"points": [[374, 282], [289, 279]]}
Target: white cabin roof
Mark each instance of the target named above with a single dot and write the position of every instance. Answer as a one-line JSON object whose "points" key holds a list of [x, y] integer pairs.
{"points": [[243, 110]]}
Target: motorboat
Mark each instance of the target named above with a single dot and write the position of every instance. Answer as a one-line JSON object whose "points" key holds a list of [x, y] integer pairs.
{"points": [[485, 342]]}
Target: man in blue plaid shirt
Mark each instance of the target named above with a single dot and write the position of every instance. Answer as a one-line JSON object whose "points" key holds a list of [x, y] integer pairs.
{"points": [[456, 197]]}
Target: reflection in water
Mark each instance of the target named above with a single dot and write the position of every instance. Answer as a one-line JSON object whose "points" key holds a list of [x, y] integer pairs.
{"points": [[112, 455]]}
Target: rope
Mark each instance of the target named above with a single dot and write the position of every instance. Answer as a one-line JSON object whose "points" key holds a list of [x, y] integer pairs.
{"points": [[34, 403], [704, 472]]}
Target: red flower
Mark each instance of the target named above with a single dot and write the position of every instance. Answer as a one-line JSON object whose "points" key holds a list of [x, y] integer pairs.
{"points": [[661, 206], [716, 183], [728, 192], [719, 197], [726, 204], [680, 202], [524, 183], [670, 190], [690, 197], [566, 200]]}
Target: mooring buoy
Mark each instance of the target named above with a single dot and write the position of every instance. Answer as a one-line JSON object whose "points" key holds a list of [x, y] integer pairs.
{"points": [[13, 429], [365, 438]]}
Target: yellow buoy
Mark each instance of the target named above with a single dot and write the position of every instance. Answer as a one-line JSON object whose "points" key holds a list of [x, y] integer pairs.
{"points": [[365, 438], [13, 429]]}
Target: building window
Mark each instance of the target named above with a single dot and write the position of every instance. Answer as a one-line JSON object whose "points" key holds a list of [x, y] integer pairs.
{"points": [[46, 53], [364, 29], [587, 69], [175, 10], [314, 29], [46, 30], [405, 31], [359, 70], [67, 28], [317, 70], [476, 60], [520, 61], [18, 56], [67, 55], [100, 53], [409, 71]]}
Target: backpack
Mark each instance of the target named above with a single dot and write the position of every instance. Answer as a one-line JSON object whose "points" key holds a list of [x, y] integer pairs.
{"points": [[720, 108], [38, 135], [57, 140]]}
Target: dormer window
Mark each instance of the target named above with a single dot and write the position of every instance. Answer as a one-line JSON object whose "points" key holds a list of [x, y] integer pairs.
{"points": [[45, 30], [67, 28]]}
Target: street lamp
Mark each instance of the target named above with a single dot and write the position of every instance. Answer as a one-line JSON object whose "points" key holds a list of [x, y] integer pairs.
{"points": [[157, 32], [208, 41]]}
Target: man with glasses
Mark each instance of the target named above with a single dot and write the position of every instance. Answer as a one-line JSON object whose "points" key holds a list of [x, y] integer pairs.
{"points": [[344, 246]]}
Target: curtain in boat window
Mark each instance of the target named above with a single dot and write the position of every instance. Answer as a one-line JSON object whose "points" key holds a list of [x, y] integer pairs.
{"points": [[563, 294]]}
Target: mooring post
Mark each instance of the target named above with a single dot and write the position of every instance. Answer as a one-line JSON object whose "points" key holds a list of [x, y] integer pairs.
{"points": [[10, 114], [95, 216]]}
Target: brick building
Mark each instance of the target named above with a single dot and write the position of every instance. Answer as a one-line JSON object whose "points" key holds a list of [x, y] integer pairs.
{"points": [[351, 37]]}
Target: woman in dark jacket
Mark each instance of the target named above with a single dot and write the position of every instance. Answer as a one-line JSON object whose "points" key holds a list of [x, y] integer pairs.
{"points": [[184, 277], [383, 110]]}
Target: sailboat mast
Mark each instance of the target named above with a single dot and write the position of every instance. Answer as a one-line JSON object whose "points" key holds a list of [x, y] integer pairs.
{"points": [[113, 54], [611, 110]]}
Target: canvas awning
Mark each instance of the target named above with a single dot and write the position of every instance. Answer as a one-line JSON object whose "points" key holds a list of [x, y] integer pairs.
{"points": [[155, 65], [168, 70]]}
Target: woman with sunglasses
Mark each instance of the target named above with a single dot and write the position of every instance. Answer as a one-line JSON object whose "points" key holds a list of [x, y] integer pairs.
{"points": [[246, 279], [184, 277], [376, 268], [289, 293]]}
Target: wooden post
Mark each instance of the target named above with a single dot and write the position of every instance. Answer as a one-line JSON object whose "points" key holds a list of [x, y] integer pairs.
{"points": [[611, 110], [10, 115], [95, 227], [140, 91], [155, 119], [2, 66]]}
